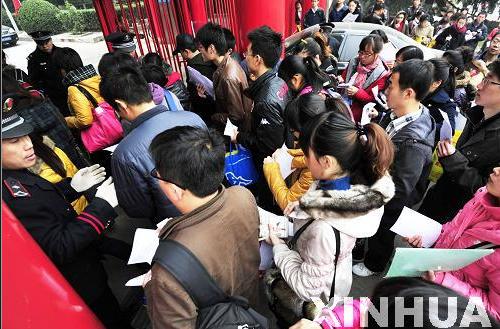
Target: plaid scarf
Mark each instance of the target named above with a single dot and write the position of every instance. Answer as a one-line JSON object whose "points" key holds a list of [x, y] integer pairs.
{"points": [[78, 75]]}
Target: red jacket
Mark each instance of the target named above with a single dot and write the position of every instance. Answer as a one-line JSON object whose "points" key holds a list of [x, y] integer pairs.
{"points": [[364, 96]]}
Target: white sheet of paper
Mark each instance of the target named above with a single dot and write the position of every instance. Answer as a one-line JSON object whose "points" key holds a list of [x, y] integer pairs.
{"points": [[199, 79], [411, 223], [230, 129], [111, 148], [446, 131], [375, 91], [365, 119], [280, 222], [284, 159], [350, 18], [144, 247], [137, 281]]}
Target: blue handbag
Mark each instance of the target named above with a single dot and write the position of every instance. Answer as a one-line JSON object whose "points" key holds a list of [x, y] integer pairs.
{"points": [[239, 166]]}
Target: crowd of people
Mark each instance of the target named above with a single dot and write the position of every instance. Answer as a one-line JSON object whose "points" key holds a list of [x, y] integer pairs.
{"points": [[363, 144]]}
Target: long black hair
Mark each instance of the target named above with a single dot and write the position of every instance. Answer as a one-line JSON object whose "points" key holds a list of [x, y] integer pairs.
{"points": [[445, 72], [47, 154], [306, 67], [366, 153]]}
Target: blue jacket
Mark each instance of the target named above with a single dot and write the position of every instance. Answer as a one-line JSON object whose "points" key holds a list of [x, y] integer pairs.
{"points": [[138, 193]]}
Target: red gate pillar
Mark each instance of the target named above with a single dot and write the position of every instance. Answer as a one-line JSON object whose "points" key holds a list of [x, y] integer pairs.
{"points": [[198, 13], [106, 14], [255, 13]]}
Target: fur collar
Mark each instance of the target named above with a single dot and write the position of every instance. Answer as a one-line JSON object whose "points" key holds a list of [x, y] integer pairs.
{"points": [[37, 167], [359, 199]]}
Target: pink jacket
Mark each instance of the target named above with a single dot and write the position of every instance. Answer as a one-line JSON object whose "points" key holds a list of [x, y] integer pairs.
{"points": [[478, 221]]}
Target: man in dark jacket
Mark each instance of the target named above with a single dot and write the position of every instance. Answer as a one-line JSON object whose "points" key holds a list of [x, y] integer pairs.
{"points": [[377, 16], [468, 167], [186, 46], [478, 31], [269, 93], [315, 15], [412, 129], [412, 11], [384, 16], [43, 75], [138, 192]]}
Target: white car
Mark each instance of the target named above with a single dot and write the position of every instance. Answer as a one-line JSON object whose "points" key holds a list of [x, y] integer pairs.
{"points": [[350, 35]]}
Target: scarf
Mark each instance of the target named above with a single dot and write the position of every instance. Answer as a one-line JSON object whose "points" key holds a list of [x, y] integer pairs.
{"points": [[363, 71], [399, 26], [78, 75], [462, 29]]}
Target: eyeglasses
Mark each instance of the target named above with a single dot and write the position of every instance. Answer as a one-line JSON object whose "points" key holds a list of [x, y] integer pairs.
{"points": [[247, 54], [365, 54], [486, 81], [154, 174]]}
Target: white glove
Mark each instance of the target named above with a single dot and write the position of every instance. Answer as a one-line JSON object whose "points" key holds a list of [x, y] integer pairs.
{"points": [[107, 192], [87, 177]]}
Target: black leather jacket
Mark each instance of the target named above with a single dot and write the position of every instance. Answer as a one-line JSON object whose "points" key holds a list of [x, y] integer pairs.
{"points": [[267, 132]]}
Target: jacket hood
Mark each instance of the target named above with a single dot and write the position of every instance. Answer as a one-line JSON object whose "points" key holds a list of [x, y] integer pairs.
{"points": [[356, 211], [79, 75], [157, 92], [423, 130]]}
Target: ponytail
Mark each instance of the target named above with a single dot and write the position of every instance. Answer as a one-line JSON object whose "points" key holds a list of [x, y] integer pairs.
{"points": [[322, 41], [313, 74], [44, 152], [366, 153], [378, 151]]}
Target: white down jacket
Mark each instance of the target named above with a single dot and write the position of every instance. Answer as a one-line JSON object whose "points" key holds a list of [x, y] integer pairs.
{"points": [[356, 213]]}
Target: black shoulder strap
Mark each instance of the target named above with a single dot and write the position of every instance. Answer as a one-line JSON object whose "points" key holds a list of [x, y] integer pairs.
{"points": [[337, 254], [86, 93], [189, 272], [293, 241]]}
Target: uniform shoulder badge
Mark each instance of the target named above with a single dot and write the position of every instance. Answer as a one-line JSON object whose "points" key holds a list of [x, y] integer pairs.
{"points": [[16, 189]]}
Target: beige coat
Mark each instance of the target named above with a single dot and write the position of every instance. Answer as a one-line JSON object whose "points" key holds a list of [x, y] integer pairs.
{"points": [[356, 213], [223, 235]]}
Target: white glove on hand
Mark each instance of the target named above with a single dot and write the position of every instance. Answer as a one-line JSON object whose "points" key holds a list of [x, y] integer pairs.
{"points": [[107, 192], [87, 177]]}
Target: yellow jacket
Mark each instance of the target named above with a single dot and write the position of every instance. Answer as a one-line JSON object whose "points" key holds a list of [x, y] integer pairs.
{"points": [[282, 194], [80, 106], [43, 170]]}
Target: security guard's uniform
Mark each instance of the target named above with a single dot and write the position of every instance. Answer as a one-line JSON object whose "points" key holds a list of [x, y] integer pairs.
{"points": [[44, 76], [67, 238]]}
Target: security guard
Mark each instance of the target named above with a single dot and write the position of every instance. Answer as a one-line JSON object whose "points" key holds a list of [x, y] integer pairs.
{"points": [[122, 42], [43, 75], [71, 241]]}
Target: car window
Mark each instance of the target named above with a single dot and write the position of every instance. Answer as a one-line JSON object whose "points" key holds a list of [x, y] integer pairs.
{"points": [[351, 47]]}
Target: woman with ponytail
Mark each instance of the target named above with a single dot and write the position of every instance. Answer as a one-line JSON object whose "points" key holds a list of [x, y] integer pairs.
{"points": [[346, 201], [441, 93], [302, 75]]}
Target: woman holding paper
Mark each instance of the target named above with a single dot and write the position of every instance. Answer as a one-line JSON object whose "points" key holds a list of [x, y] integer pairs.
{"points": [[353, 13], [477, 225], [338, 153], [365, 72], [297, 114]]}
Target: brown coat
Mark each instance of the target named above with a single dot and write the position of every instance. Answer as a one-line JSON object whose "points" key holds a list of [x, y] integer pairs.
{"points": [[229, 82], [223, 235]]}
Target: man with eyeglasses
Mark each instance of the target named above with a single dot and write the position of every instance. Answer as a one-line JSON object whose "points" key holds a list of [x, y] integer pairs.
{"points": [[42, 74], [467, 167]]}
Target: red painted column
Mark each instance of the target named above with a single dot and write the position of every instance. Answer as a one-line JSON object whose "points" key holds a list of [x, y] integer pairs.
{"points": [[106, 14], [255, 13], [198, 13], [35, 295]]}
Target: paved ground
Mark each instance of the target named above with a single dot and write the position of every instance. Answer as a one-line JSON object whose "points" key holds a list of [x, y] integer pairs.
{"points": [[91, 53]]}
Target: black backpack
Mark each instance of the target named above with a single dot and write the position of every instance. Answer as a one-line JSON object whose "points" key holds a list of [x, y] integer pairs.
{"points": [[215, 308]]}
